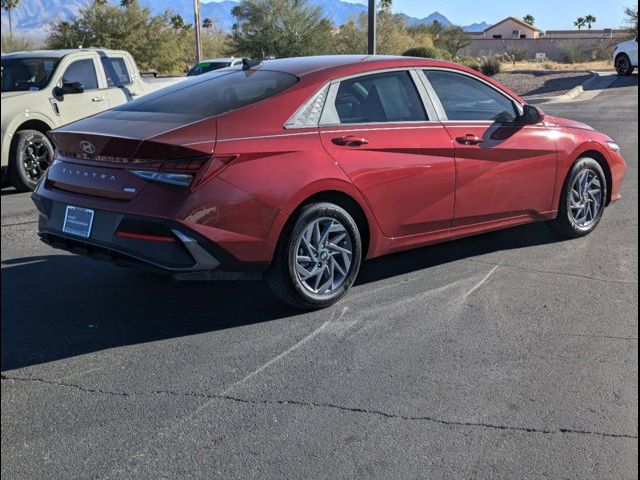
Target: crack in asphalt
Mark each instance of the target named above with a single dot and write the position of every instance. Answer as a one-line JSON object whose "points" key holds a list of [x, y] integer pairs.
{"points": [[552, 272], [379, 413], [18, 224]]}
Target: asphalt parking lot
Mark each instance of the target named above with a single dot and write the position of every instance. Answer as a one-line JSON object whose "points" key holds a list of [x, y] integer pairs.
{"points": [[509, 355]]}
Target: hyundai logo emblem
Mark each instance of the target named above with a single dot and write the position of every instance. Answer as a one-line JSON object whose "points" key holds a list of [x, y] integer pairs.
{"points": [[87, 147]]}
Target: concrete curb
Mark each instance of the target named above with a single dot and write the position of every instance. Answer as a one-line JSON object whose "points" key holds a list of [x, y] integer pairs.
{"points": [[573, 93]]}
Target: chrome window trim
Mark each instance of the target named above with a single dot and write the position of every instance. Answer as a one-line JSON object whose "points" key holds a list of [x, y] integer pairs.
{"points": [[438, 105], [291, 123]]}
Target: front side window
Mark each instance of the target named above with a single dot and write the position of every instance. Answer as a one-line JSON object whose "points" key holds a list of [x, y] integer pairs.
{"points": [[466, 99], [82, 71], [116, 71], [379, 98], [20, 74]]}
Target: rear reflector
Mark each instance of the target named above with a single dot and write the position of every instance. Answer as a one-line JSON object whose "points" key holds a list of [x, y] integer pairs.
{"points": [[143, 236]]}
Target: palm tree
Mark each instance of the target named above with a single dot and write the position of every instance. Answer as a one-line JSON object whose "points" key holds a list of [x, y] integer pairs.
{"points": [[580, 22], [590, 19], [207, 23], [177, 22], [529, 20], [9, 5]]}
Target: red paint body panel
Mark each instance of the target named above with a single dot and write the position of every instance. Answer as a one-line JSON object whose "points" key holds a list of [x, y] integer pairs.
{"points": [[511, 173], [415, 184]]}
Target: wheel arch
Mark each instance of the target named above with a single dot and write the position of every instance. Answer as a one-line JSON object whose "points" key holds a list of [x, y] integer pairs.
{"points": [[360, 213], [604, 164]]}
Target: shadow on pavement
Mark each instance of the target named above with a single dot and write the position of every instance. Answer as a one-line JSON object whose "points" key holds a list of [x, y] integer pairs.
{"points": [[60, 306]]}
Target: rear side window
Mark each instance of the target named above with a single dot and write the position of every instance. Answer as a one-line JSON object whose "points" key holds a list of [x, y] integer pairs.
{"points": [[82, 71], [213, 93], [384, 97], [464, 98], [116, 71]]}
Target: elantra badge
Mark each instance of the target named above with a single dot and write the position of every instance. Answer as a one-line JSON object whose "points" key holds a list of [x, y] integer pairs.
{"points": [[87, 147]]}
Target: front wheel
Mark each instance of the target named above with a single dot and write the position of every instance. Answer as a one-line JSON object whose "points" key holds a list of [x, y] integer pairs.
{"points": [[623, 65], [30, 156], [318, 257], [583, 199]]}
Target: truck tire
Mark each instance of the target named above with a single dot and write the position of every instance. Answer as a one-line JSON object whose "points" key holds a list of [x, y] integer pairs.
{"points": [[30, 155]]}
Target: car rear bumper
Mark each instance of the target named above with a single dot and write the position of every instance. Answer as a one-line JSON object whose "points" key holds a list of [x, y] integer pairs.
{"points": [[147, 243]]}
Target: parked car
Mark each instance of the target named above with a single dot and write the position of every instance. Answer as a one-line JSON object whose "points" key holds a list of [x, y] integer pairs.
{"points": [[45, 89], [299, 169], [213, 64], [625, 57]]}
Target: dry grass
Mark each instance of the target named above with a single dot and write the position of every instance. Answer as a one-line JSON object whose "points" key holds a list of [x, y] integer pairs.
{"points": [[605, 65]]}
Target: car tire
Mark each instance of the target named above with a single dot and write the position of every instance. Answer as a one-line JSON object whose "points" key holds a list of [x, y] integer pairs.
{"points": [[623, 65], [304, 250], [30, 155], [583, 198]]}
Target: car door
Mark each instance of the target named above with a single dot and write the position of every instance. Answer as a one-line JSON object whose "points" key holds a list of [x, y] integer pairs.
{"points": [[504, 168], [74, 106], [383, 133], [121, 86]]}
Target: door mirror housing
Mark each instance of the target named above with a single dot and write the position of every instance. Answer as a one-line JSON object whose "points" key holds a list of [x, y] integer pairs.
{"points": [[68, 88], [531, 115]]}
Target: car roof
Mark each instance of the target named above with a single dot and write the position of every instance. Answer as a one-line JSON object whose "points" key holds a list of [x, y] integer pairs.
{"points": [[56, 53], [343, 64]]}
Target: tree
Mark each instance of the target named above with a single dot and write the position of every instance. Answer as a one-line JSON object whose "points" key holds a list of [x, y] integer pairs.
{"points": [[280, 28], [207, 23], [529, 20], [149, 38], [590, 20], [8, 5], [580, 22], [452, 40], [631, 19], [177, 22]]}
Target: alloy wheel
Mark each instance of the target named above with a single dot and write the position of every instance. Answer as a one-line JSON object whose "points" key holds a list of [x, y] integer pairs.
{"points": [[585, 199], [37, 159], [324, 254]]}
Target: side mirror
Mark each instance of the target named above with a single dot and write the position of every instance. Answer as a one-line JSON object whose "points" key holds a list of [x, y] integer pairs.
{"points": [[68, 88], [531, 115]]}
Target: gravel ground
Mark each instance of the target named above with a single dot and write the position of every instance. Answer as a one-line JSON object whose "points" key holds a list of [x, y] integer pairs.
{"points": [[541, 84]]}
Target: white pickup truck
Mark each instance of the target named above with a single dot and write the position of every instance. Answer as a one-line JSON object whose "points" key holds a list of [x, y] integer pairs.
{"points": [[42, 90]]}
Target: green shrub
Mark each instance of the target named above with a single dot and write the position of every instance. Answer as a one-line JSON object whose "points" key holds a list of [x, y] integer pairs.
{"points": [[469, 61], [424, 52], [518, 54], [574, 52], [490, 66]]}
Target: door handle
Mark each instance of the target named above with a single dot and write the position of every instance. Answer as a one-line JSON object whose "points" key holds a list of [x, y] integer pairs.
{"points": [[97, 99], [469, 139], [350, 141]]}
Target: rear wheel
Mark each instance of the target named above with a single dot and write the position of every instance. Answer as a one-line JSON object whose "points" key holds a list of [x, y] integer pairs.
{"points": [[30, 156], [318, 257], [583, 199], [623, 64]]}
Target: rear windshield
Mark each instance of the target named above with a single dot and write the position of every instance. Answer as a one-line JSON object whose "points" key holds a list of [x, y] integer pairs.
{"points": [[212, 94]]}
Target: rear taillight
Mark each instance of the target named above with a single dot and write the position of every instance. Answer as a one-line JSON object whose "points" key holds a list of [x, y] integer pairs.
{"points": [[191, 172]]}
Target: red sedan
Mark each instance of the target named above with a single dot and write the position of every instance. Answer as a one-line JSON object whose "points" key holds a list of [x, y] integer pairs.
{"points": [[299, 169]]}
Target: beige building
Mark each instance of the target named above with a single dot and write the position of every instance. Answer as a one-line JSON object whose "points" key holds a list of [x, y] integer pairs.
{"points": [[513, 34], [511, 28]]}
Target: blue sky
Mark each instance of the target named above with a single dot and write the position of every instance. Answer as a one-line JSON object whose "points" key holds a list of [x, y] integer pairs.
{"points": [[549, 14]]}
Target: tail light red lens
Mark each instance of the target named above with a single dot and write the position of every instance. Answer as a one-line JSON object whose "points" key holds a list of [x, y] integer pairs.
{"points": [[191, 172]]}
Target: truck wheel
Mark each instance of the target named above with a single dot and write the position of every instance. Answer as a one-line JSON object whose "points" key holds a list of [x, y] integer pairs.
{"points": [[623, 65], [30, 156]]}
